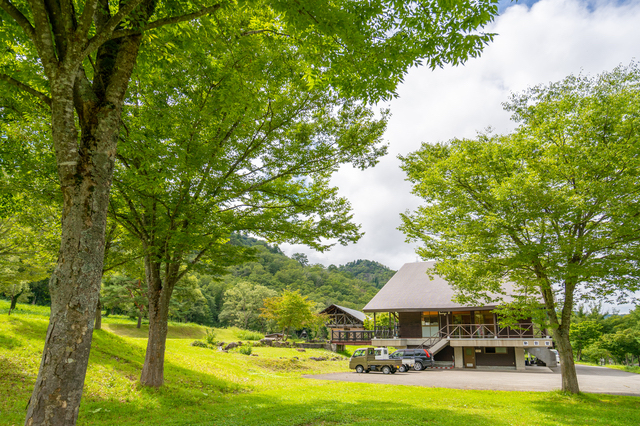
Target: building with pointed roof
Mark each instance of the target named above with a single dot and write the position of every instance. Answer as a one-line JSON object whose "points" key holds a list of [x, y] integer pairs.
{"points": [[423, 313]]}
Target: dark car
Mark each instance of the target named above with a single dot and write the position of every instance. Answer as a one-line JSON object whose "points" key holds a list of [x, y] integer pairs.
{"points": [[419, 359]]}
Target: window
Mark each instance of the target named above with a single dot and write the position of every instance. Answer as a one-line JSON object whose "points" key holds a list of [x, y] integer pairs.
{"points": [[501, 350], [489, 350], [359, 352], [396, 354], [429, 321]]}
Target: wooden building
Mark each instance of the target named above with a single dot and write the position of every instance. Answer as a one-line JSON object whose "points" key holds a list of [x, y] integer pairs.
{"points": [[420, 306], [346, 325]]}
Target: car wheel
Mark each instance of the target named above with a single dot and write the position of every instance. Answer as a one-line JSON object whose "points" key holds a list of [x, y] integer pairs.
{"points": [[386, 369], [359, 369], [402, 368], [417, 366]]}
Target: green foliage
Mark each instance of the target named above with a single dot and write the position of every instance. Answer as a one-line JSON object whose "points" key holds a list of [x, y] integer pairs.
{"points": [[242, 304], [369, 271], [621, 344], [276, 271], [210, 387], [122, 294], [550, 207], [289, 311], [583, 333], [249, 335], [245, 350], [210, 337]]}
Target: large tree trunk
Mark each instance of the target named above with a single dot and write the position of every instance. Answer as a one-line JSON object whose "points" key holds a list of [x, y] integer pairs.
{"points": [[159, 294], [85, 170], [75, 283], [567, 366]]}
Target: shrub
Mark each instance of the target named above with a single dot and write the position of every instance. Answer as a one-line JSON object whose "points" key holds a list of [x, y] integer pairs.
{"points": [[249, 335], [245, 350], [210, 337], [199, 343]]}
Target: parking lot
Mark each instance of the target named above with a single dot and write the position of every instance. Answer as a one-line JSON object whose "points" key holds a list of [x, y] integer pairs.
{"points": [[591, 379]]}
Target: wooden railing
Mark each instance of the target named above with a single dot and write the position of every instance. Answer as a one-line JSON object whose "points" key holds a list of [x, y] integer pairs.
{"points": [[384, 332], [352, 336], [490, 331], [453, 331]]}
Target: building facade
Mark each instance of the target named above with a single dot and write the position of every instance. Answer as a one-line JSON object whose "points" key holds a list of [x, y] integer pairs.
{"points": [[422, 314]]}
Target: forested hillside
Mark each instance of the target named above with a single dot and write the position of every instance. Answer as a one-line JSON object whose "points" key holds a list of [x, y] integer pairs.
{"points": [[235, 298], [370, 271], [351, 285]]}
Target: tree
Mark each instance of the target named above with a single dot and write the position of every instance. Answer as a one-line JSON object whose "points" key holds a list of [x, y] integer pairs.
{"points": [[236, 157], [289, 311], [125, 294], [77, 59], [24, 254], [582, 334], [551, 207], [242, 305], [622, 344], [301, 258]]}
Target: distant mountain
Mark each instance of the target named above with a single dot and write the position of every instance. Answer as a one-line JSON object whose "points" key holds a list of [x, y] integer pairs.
{"points": [[351, 285], [370, 271]]}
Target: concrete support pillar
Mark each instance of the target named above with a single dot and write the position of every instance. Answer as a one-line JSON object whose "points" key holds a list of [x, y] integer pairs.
{"points": [[458, 357], [519, 358]]}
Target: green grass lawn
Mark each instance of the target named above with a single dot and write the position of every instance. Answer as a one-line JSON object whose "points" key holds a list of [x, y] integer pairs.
{"points": [[208, 387]]}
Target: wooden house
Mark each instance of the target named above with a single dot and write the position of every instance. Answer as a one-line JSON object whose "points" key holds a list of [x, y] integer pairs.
{"points": [[423, 314]]}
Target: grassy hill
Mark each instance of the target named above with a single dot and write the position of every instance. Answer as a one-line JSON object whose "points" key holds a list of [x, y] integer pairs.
{"points": [[207, 387]]}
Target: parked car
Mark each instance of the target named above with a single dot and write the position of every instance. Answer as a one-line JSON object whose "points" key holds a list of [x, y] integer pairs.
{"points": [[364, 360], [419, 359]]}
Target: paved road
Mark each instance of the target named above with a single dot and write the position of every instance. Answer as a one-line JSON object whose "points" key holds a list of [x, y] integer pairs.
{"points": [[591, 379]]}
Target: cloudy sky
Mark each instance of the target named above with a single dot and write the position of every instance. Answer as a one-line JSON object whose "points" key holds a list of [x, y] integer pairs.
{"points": [[537, 42]]}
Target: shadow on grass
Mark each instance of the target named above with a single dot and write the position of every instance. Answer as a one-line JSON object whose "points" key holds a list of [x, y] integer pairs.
{"points": [[584, 409], [175, 331], [268, 410], [16, 385]]}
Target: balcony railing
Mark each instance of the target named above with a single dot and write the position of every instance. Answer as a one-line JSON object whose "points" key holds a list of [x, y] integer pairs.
{"points": [[352, 336], [453, 331], [490, 331]]}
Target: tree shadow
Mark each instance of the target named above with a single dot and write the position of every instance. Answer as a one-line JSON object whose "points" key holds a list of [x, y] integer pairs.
{"points": [[586, 408]]}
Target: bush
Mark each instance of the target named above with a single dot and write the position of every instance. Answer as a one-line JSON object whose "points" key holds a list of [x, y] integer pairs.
{"points": [[210, 337], [249, 335], [199, 343], [245, 350]]}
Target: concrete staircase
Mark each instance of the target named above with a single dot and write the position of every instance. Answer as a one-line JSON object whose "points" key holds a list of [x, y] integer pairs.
{"points": [[438, 346], [545, 355]]}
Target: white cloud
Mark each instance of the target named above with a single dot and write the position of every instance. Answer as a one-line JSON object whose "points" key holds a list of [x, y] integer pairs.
{"points": [[534, 45]]}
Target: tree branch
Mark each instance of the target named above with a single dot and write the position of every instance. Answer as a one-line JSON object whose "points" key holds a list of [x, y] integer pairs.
{"points": [[44, 98], [167, 21], [19, 18], [247, 33], [87, 18], [109, 27]]}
